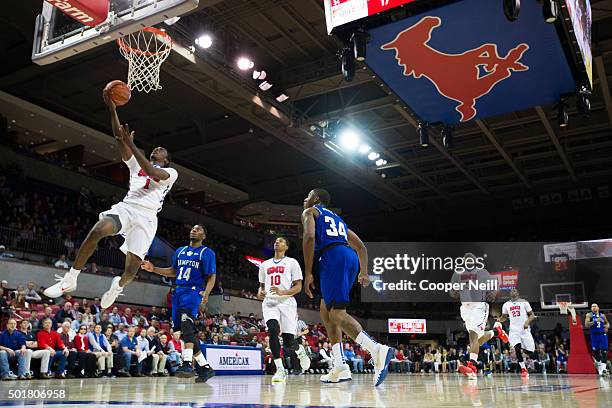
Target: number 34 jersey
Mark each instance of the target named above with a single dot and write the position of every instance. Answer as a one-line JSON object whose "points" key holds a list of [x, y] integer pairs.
{"points": [[329, 229], [279, 272], [192, 265]]}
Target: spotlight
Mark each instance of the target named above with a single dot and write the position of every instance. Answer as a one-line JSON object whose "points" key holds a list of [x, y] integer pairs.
{"points": [[447, 138], [349, 139], [562, 115], [363, 149], [282, 98], [550, 11], [244, 63], [359, 41], [373, 156], [204, 41], [423, 134], [348, 65], [379, 162], [265, 85], [259, 75]]}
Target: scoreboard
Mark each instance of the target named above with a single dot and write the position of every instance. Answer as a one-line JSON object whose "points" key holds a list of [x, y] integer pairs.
{"points": [[340, 12], [417, 326]]}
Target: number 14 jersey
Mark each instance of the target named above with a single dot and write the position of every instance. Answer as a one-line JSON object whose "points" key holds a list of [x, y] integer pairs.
{"points": [[192, 265]]}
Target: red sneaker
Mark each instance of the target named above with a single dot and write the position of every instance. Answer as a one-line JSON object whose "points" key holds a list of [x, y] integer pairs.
{"points": [[473, 367], [524, 373], [469, 370], [500, 332]]}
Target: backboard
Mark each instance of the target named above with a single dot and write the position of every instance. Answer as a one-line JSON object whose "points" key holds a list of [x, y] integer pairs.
{"points": [[553, 293], [57, 36]]}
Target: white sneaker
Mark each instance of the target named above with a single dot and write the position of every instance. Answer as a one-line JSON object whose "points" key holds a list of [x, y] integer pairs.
{"points": [[303, 357], [383, 356], [65, 284], [109, 297], [337, 374], [280, 376]]}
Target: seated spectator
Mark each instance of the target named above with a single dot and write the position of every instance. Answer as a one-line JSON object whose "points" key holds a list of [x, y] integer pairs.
{"points": [[158, 362], [131, 352], [33, 352], [92, 268], [399, 362], [19, 299], [139, 320], [102, 350], [356, 362], [87, 317], [324, 353], [143, 347], [120, 333], [153, 314], [4, 253], [115, 318], [87, 360], [50, 340], [61, 263], [76, 309], [62, 314], [13, 346], [95, 308], [77, 322], [173, 357], [428, 360], [543, 360], [128, 317], [561, 359], [118, 358], [164, 315], [31, 295]]}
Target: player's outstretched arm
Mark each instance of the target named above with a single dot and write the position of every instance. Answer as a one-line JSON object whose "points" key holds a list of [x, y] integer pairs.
{"points": [[210, 284], [126, 153], [308, 244], [169, 272], [144, 163], [362, 252]]}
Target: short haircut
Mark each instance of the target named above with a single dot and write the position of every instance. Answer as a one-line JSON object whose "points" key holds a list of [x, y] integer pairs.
{"points": [[204, 228], [284, 239], [324, 197]]}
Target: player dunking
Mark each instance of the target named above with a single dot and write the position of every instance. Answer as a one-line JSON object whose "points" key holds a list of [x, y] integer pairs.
{"points": [[194, 267], [598, 325], [475, 311], [339, 255], [521, 316], [280, 278], [135, 217]]}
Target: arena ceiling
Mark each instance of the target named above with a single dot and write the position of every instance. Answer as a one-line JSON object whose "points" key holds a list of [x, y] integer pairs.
{"points": [[206, 115]]}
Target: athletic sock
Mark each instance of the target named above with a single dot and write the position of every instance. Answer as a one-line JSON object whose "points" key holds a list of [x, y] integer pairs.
{"points": [[522, 364], [337, 354], [368, 343], [74, 272], [279, 364], [201, 360], [187, 355]]}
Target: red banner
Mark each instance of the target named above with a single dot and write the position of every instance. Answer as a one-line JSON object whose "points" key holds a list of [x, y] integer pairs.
{"points": [[88, 12]]}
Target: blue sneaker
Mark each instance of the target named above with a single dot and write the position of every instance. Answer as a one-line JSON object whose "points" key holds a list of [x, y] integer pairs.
{"points": [[185, 371]]}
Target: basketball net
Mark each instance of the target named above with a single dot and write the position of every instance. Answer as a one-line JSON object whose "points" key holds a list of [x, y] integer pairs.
{"points": [[564, 307], [145, 51]]}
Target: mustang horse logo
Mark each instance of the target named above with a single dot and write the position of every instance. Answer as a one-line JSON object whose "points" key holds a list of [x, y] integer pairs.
{"points": [[462, 77]]}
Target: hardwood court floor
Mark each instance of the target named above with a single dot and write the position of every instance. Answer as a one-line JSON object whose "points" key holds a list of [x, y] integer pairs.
{"points": [[399, 390]]}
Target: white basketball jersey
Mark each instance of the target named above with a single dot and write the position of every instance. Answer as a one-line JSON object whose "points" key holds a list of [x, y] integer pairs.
{"points": [[280, 273], [518, 312], [146, 191]]}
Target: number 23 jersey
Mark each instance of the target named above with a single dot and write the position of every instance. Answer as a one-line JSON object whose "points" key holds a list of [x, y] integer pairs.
{"points": [[192, 265]]}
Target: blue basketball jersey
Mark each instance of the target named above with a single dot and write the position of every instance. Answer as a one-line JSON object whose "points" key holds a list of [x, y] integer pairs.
{"points": [[329, 229], [598, 325], [192, 265]]}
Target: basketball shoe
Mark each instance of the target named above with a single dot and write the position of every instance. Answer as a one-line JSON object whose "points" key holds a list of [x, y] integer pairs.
{"points": [[382, 357], [65, 284], [500, 332], [524, 373], [303, 357], [280, 376], [109, 297], [337, 374]]}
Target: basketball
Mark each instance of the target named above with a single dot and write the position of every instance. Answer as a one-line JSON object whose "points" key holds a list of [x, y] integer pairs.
{"points": [[119, 92]]}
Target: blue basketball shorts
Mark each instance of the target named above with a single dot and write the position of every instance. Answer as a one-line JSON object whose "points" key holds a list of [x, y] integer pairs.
{"points": [[185, 299], [338, 270]]}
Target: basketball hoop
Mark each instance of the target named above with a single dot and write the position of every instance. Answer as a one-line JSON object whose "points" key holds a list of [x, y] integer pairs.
{"points": [[145, 51], [564, 307]]}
